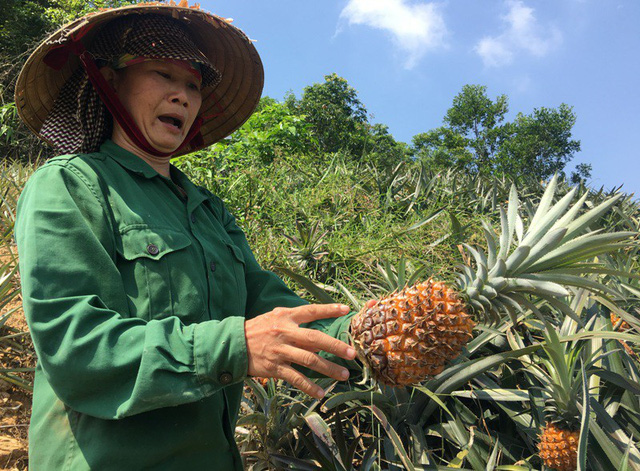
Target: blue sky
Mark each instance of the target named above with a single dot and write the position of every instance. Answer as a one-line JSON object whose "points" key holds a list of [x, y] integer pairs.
{"points": [[408, 59]]}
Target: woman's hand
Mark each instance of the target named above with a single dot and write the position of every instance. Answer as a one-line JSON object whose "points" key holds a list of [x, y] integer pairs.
{"points": [[275, 341]]}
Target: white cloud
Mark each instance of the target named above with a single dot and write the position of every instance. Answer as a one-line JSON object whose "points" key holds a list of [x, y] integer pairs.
{"points": [[415, 28], [522, 33]]}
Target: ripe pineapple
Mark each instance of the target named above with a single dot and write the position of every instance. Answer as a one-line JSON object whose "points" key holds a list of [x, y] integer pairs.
{"points": [[559, 447], [624, 325], [411, 334]]}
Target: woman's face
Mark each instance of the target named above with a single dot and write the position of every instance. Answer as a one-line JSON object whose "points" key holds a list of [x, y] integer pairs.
{"points": [[163, 99]]}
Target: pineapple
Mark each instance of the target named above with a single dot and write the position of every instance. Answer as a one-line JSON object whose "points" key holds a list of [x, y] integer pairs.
{"points": [[559, 447], [624, 325], [412, 334]]}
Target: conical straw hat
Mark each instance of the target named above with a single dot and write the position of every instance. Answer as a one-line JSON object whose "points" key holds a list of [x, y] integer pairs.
{"points": [[225, 107]]}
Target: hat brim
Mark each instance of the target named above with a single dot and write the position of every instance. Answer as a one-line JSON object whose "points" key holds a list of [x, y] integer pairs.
{"points": [[226, 106]]}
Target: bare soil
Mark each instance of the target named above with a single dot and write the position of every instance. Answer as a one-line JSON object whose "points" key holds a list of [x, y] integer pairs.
{"points": [[15, 402]]}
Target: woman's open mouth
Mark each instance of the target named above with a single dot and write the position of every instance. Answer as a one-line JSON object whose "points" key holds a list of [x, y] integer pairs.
{"points": [[173, 121]]}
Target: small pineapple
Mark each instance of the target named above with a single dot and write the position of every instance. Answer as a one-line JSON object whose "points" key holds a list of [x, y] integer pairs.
{"points": [[558, 447], [411, 334], [624, 325]]}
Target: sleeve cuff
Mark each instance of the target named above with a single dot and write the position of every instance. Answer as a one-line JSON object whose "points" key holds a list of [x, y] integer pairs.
{"points": [[220, 351]]}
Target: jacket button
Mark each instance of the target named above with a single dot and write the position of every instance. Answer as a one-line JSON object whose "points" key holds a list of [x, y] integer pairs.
{"points": [[225, 378], [212, 266], [152, 249], [193, 218]]}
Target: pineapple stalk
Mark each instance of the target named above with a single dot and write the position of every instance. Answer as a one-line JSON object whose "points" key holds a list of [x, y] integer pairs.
{"points": [[411, 334]]}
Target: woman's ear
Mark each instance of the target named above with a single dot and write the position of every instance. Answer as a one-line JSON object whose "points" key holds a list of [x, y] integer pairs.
{"points": [[111, 76]]}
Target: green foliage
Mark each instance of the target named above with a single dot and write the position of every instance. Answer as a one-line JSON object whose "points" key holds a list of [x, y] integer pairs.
{"points": [[337, 115], [539, 143], [274, 129], [476, 137], [476, 117]]}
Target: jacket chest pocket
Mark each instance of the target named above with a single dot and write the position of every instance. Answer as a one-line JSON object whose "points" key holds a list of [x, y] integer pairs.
{"points": [[239, 275], [161, 274]]}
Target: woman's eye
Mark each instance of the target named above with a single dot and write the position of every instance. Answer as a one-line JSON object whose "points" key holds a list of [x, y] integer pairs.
{"points": [[163, 75], [194, 86]]}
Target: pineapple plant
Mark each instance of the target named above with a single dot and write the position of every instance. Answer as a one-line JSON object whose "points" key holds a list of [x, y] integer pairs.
{"points": [[413, 333], [561, 375]]}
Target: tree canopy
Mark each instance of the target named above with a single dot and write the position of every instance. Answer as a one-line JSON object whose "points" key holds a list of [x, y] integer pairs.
{"points": [[476, 137]]}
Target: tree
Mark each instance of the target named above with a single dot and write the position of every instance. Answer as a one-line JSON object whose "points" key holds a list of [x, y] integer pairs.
{"points": [[337, 116], [273, 130], [477, 118], [381, 149], [539, 143], [442, 148], [476, 137]]}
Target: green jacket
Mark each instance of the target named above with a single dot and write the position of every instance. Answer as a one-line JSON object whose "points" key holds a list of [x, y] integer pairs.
{"points": [[136, 300]]}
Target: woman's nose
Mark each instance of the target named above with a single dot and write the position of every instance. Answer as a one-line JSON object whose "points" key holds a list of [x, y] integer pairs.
{"points": [[180, 95]]}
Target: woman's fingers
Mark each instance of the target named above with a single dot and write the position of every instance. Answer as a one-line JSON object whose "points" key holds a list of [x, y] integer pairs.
{"points": [[300, 381], [312, 312], [315, 340], [315, 362], [275, 341], [370, 303]]}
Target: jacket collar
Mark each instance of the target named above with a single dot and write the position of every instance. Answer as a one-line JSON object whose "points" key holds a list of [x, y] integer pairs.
{"points": [[127, 159]]}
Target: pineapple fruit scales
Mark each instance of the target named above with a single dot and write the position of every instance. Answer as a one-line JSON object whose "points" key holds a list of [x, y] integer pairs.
{"points": [[558, 448], [410, 335]]}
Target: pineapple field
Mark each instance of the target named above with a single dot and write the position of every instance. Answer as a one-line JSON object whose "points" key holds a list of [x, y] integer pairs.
{"points": [[504, 336]]}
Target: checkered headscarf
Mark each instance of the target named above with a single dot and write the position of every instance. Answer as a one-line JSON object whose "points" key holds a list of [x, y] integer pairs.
{"points": [[79, 121]]}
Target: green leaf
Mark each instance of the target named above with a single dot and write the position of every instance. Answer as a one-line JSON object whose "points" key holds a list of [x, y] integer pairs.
{"points": [[321, 430], [395, 439], [321, 295], [584, 424], [497, 395]]}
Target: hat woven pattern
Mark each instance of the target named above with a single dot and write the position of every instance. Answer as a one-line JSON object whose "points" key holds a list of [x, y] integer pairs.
{"points": [[151, 36]]}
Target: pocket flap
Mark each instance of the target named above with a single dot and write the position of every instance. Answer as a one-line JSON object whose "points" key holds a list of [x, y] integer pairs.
{"points": [[237, 253], [150, 242]]}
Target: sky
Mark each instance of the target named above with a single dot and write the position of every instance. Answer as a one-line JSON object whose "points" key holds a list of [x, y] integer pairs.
{"points": [[409, 59]]}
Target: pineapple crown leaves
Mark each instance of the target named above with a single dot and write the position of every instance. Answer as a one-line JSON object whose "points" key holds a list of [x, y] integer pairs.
{"points": [[562, 373], [548, 256]]}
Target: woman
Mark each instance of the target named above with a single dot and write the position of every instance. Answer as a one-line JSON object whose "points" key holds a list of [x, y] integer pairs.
{"points": [[145, 304]]}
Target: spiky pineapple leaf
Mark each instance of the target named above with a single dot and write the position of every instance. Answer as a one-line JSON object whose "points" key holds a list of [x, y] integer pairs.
{"points": [[368, 396], [394, 437], [321, 295], [322, 431], [546, 200], [584, 423], [605, 430]]}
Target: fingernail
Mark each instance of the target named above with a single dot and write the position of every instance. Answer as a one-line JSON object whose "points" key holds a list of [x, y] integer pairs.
{"points": [[320, 393], [344, 374], [344, 308], [351, 352]]}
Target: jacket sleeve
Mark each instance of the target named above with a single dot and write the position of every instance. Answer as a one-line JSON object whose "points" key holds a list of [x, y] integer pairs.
{"points": [[97, 360], [266, 290]]}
